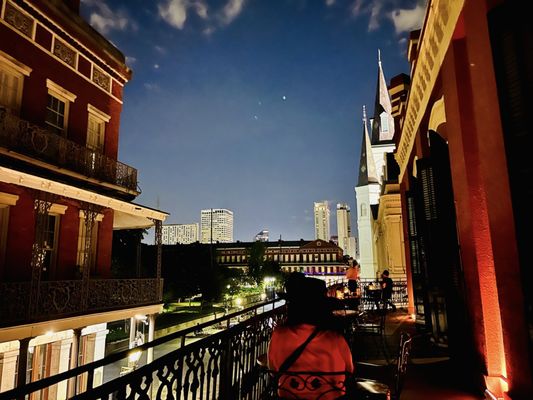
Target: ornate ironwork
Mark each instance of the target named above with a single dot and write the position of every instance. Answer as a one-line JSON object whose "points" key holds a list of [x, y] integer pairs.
{"points": [[101, 79], [65, 53], [22, 137], [159, 242], [66, 298], [194, 371], [117, 293], [18, 20], [42, 204]]}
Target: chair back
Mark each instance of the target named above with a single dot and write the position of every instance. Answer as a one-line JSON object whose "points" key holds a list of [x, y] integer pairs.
{"points": [[310, 384], [401, 362]]}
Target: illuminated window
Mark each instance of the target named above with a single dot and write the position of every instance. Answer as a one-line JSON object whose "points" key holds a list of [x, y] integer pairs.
{"points": [[57, 108], [384, 120]]}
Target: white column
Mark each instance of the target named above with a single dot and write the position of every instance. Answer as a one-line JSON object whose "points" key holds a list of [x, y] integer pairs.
{"points": [[133, 331], [64, 364], [7, 380], [99, 353], [151, 329]]}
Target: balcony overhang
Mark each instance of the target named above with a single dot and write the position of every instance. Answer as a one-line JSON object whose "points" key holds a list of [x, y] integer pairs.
{"points": [[61, 324], [127, 215]]}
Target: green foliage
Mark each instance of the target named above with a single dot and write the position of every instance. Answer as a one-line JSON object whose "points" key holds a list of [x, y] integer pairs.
{"points": [[258, 267]]}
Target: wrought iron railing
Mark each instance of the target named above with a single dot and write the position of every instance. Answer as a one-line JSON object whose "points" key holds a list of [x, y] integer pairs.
{"points": [[65, 298], [30, 140], [220, 366], [368, 298]]}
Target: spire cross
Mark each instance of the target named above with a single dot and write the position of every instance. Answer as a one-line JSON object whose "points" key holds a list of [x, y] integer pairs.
{"points": [[364, 113], [379, 57]]}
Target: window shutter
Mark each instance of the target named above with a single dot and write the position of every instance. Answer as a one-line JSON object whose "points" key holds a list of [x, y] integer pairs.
{"points": [[428, 190]]}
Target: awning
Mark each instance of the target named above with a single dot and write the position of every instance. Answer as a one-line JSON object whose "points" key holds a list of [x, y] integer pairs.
{"points": [[127, 215]]}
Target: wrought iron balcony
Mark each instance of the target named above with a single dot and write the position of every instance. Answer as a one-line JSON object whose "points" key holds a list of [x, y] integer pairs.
{"points": [[30, 140], [58, 299]]}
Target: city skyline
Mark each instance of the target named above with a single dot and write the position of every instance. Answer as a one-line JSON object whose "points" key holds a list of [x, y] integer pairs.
{"points": [[251, 106]]}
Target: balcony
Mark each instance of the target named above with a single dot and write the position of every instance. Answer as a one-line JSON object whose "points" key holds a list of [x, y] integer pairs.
{"points": [[59, 299], [30, 142]]}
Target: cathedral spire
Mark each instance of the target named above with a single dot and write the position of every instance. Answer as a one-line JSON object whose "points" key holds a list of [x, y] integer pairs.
{"points": [[367, 166], [383, 123]]}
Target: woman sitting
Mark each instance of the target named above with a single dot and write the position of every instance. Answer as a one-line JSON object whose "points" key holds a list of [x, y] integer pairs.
{"points": [[308, 353]]}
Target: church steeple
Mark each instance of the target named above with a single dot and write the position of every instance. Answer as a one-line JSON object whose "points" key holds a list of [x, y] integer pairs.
{"points": [[383, 123], [367, 166]]}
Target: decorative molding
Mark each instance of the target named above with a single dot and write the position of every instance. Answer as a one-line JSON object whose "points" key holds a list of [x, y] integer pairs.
{"points": [[15, 64], [438, 115], [100, 114], [8, 199], [50, 51], [442, 16], [65, 53], [54, 87], [58, 209], [101, 78], [19, 20]]}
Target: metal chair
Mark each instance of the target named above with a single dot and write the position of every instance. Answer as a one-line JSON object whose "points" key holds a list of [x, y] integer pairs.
{"points": [[367, 389]]}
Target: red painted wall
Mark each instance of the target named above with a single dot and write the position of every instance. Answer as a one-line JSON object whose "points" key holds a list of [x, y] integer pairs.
{"points": [[34, 99]]}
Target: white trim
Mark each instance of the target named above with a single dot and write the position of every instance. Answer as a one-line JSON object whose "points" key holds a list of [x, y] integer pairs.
{"points": [[99, 114], [437, 117], [8, 199], [99, 217], [13, 63], [58, 209], [54, 87], [8, 175], [49, 53]]}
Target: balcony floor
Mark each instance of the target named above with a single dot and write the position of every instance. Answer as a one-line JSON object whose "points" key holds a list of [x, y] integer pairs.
{"points": [[430, 374]]}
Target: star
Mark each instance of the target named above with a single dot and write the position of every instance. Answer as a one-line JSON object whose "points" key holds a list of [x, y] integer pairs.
{"points": [[283, 97]]}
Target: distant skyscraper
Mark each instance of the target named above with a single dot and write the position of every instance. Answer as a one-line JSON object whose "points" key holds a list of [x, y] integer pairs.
{"points": [[262, 236], [217, 222], [180, 233], [322, 220], [344, 232]]}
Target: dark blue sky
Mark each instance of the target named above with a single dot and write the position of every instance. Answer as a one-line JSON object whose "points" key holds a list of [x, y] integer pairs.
{"points": [[255, 105]]}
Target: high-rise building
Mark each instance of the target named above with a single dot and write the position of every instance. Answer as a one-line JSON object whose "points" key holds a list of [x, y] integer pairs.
{"points": [[180, 233], [344, 232], [216, 225], [322, 220], [262, 236]]}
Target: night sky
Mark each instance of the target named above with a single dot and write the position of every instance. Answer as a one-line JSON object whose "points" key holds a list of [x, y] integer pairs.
{"points": [[254, 105]]}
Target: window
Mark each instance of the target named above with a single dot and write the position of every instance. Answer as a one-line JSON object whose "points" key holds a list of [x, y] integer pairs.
{"points": [[57, 108], [11, 81], [96, 129], [384, 120], [82, 234], [51, 230], [6, 200], [363, 210]]}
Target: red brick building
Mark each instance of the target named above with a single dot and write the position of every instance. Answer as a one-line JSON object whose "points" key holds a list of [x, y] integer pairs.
{"points": [[465, 174], [62, 193]]}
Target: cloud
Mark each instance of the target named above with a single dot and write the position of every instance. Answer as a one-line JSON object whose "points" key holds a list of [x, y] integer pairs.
{"points": [[160, 49], [231, 10], [156, 66], [406, 20], [105, 20], [130, 60], [174, 12], [152, 86], [329, 3]]}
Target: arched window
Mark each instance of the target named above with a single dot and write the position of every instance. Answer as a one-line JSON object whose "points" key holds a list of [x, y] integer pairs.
{"points": [[384, 121]]}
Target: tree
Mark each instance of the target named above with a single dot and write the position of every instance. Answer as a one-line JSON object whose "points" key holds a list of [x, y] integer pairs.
{"points": [[256, 259]]}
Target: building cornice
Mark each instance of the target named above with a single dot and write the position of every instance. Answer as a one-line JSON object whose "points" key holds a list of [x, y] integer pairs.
{"points": [[441, 19]]}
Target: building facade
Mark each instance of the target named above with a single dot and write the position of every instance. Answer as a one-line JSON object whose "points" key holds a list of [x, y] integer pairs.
{"points": [[317, 258], [322, 215], [62, 195], [262, 236], [344, 230], [465, 174], [180, 233], [216, 225]]}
